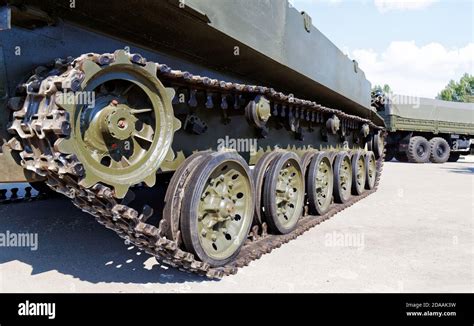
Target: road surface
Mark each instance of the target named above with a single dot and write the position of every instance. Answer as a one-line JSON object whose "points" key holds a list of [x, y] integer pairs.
{"points": [[415, 234]]}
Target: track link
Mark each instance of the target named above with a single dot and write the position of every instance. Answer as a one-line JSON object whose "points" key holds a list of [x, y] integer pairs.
{"points": [[39, 124]]}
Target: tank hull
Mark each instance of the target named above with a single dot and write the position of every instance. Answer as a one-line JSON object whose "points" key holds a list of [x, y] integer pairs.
{"points": [[111, 118], [229, 36]]}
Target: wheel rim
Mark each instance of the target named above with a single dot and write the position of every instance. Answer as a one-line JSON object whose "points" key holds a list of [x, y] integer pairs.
{"points": [[225, 210], [421, 150], [345, 177], [371, 170], [289, 194], [441, 150], [359, 174], [324, 184]]}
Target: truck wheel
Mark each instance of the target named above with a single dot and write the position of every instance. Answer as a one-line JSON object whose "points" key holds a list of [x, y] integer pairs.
{"points": [[418, 150], [454, 157], [401, 157], [439, 150]]}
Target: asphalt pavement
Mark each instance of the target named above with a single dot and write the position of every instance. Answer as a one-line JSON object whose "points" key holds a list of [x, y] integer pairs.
{"points": [[415, 234]]}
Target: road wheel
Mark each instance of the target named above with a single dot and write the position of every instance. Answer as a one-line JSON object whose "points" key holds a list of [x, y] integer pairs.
{"points": [[358, 173], [371, 170], [283, 193], [401, 157], [177, 191], [320, 180], [454, 157], [259, 173], [418, 150], [217, 212], [439, 150], [342, 177], [379, 144]]}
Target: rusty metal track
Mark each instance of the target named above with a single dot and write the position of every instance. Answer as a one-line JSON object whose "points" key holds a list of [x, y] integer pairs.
{"points": [[63, 172]]}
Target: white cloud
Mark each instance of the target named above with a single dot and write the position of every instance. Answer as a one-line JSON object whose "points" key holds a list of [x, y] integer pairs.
{"points": [[415, 70], [382, 5], [388, 5]]}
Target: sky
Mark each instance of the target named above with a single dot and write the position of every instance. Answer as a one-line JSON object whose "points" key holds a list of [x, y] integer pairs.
{"points": [[415, 46]]}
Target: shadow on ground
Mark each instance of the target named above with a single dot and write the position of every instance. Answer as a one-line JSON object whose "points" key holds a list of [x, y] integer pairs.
{"points": [[73, 243], [461, 169]]}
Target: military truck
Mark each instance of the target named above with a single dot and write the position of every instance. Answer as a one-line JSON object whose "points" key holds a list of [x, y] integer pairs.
{"points": [[422, 130], [107, 102]]}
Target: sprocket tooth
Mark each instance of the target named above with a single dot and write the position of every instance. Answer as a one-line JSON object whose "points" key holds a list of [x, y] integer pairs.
{"points": [[170, 155], [88, 181], [150, 180], [64, 146], [90, 68], [177, 124], [121, 57], [171, 92], [151, 68], [120, 190], [173, 164]]}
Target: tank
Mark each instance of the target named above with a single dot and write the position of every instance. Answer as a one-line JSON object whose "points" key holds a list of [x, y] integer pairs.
{"points": [[205, 133], [424, 130]]}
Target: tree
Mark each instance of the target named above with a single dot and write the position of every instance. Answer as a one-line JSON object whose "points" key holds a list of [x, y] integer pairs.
{"points": [[462, 91]]}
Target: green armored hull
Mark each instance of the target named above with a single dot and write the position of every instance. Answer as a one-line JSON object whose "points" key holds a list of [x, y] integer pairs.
{"points": [[256, 129]]}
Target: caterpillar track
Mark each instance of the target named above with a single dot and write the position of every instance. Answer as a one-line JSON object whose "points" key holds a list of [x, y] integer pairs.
{"points": [[40, 125]]}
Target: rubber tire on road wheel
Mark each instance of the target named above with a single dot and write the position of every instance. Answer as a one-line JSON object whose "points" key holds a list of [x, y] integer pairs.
{"points": [[438, 144], [454, 157], [358, 189], [259, 173], [418, 150], [370, 176]]}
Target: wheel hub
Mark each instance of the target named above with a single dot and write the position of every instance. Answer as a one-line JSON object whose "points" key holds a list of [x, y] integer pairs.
{"points": [[286, 192], [222, 205], [119, 122]]}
